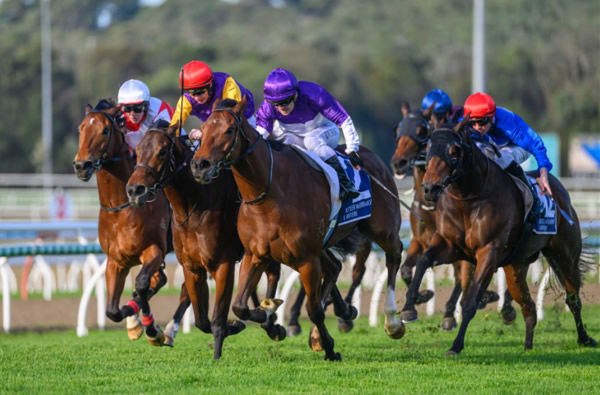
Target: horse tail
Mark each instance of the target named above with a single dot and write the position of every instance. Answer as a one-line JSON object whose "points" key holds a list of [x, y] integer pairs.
{"points": [[588, 258], [350, 244]]}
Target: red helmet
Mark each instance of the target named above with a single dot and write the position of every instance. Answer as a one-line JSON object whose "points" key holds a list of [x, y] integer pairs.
{"points": [[196, 74], [480, 105]]}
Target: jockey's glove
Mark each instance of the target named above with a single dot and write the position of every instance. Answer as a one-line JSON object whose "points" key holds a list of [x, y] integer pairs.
{"points": [[355, 159]]}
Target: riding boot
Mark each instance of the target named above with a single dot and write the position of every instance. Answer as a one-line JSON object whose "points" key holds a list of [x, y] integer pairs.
{"points": [[537, 208], [347, 189]]}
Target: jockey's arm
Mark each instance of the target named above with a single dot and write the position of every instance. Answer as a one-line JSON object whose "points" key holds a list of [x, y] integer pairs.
{"points": [[182, 111]]}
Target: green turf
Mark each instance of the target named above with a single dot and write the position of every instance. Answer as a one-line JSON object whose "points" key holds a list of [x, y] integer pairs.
{"points": [[493, 361]]}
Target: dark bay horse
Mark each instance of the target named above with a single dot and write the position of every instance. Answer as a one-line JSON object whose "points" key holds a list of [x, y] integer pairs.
{"points": [[285, 212], [129, 236], [412, 136], [204, 226], [479, 218]]}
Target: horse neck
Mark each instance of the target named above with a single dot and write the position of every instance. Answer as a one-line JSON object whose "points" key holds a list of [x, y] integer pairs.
{"points": [[251, 172], [183, 192], [418, 174], [112, 178], [473, 182]]}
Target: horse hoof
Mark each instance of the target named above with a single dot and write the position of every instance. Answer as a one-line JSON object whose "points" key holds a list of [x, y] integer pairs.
{"points": [[448, 323], [487, 298], [157, 340], [408, 316], [333, 357], [345, 326], [270, 305], [424, 296], [235, 326], [134, 327], [451, 353], [170, 332], [509, 316], [353, 312], [395, 331], [294, 330], [314, 340], [589, 342], [280, 333]]}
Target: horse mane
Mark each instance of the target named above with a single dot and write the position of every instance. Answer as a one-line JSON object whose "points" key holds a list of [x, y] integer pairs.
{"points": [[226, 103], [105, 104]]}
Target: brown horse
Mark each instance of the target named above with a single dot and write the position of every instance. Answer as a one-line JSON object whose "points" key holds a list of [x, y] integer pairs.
{"points": [[129, 236], [469, 225], [284, 216], [412, 136], [204, 225]]}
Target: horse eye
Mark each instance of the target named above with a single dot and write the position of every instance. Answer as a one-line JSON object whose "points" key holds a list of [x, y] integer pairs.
{"points": [[163, 151], [230, 130], [105, 131], [421, 132]]}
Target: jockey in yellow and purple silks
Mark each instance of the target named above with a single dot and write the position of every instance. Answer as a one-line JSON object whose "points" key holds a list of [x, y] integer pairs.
{"points": [[202, 88], [305, 114]]}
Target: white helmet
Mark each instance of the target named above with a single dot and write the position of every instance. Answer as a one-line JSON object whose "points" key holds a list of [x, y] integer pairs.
{"points": [[133, 92]]}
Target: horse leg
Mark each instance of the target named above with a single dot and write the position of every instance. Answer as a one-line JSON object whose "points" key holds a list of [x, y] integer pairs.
{"points": [[294, 328], [249, 276], [449, 322], [358, 272], [172, 327], [508, 312], [406, 270], [331, 270], [221, 328], [310, 273], [197, 287], [570, 278], [151, 259], [484, 270], [516, 281], [393, 324]]}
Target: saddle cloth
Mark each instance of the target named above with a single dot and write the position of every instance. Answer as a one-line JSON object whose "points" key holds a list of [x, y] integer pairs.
{"points": [[350, 210], [546, 223]]}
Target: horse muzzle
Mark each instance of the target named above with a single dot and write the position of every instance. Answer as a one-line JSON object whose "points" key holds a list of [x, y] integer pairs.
{"points": [[84, 169], [400, 166], [137, 194], [432, 192], [204, 171]]}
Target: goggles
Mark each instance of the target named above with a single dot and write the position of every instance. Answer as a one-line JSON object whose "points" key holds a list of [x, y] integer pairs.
{"points": [[198, 91], [282, 103], [141, 107], [481, 121]]}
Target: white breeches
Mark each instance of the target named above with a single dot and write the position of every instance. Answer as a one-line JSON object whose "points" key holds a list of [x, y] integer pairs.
{"points": [[321, 141], [508, 154]]}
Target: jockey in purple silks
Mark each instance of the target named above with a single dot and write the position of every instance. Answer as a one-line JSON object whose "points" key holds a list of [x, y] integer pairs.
{"points": [[305, 114]]}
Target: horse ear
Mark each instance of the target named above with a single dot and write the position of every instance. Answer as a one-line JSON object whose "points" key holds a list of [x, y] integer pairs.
{"points": [[239, 107], [215, 105], [405, 108], [172, 130], [88, 108], [459, 126], [427, 113]]}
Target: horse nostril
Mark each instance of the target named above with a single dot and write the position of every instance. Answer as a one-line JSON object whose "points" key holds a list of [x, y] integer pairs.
{"points": [[135, 190], [203, 164]]}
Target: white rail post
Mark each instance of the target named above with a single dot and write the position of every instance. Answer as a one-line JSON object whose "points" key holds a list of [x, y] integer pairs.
{"points": [[5, 294], [85, 299], [283, 294]]}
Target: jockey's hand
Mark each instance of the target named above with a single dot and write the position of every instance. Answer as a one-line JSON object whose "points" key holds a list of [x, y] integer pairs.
{"points": [[355, 160], [543, 182], [195, 134]]}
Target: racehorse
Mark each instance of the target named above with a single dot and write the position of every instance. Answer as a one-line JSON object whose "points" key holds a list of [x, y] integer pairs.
{"points": [[204, 225], [285, 212], [412, 136], [479, 217], [129, 236]]}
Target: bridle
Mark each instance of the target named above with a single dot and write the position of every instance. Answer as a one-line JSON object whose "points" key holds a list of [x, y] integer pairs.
{"points": [[226, 161], [441, 143], [104, 159], [408, 127]]}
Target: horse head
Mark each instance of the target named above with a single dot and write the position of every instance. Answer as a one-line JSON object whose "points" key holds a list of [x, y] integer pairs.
{"points": [[100, 138], [412, 135], [156, 163], [445, 159], [224, 140]]}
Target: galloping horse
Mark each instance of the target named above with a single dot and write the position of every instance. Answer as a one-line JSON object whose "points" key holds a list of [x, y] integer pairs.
{"points": [[129, 236], [285, 212], [204, 225], [412, 136], [471, 226]]}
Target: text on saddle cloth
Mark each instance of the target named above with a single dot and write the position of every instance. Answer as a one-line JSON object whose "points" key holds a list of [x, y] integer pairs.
{"points": [[545, 224]]}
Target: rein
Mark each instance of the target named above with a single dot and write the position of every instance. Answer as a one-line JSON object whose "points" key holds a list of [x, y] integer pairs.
{"points": [[97, 165], [227, 162]]}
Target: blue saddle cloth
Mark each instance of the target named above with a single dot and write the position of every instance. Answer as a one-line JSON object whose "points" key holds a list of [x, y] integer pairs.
{"points": [[355, 209], [546, 223]]}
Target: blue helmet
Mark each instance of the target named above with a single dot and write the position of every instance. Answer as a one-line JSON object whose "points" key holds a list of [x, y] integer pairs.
{"points": [[280, 84], [442, 101]]}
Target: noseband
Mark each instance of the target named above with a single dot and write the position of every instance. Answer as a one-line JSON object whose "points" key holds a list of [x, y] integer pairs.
{"points": [[441, 142]]}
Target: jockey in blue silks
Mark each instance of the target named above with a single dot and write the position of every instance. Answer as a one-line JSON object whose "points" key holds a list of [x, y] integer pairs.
{"points": [[305, 114], [513, 138]]}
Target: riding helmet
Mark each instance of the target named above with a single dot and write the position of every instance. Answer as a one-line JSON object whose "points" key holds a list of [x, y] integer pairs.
{"points": [[280, 84], [133, 92], [480, 105], [196, 74]]}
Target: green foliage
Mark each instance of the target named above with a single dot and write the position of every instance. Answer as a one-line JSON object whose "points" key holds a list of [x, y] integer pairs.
{"points": [[492, 362], [542, 59]]}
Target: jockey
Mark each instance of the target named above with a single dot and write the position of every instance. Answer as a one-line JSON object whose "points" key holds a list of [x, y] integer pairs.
{"points": [[514, 140], [202, 88], [305, 114], [443, 111], [140, 110]]}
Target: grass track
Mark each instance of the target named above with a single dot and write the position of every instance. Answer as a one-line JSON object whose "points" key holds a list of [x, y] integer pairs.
{"points": [[492, 362]]}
